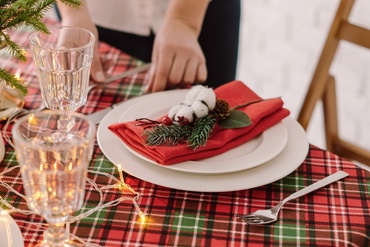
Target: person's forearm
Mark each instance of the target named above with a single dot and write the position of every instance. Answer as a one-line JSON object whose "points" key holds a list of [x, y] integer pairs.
{"points": [[69, 12], [191, 12]]}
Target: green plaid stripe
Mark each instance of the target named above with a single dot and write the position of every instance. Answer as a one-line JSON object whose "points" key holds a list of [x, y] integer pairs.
{"points": [[337, 215]]}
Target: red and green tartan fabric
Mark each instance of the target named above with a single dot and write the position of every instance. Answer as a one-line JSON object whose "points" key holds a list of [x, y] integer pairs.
{"points": [[337, 215]]}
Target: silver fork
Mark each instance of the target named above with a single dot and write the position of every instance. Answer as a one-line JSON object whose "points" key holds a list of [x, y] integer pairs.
{"points": [[270, 215]]}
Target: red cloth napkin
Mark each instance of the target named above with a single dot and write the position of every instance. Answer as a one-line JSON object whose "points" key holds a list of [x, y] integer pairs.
{"points": [[263, 115]]}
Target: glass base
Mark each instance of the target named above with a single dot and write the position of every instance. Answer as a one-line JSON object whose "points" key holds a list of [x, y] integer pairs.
{"points": [[57, 235]]}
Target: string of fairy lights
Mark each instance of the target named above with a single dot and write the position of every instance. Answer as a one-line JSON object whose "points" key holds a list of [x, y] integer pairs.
{"points": [[115, 184]]}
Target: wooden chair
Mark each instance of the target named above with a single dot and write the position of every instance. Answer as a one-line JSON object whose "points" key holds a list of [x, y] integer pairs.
{"points": [[322, 86]]}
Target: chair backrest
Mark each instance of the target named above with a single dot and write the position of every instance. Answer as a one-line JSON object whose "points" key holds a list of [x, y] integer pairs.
{"points": [[322, 84]]}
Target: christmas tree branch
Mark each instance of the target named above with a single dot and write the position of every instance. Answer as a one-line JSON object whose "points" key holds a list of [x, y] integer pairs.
{"points": [[18, 13], [13, 80], [14, 49]]}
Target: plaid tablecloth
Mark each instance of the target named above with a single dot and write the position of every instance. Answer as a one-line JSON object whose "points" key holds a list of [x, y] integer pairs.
{"points": [[337, 215]]}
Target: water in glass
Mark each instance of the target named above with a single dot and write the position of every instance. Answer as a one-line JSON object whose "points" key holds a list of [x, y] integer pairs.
{"points": [[62, 60], [54, 167]]}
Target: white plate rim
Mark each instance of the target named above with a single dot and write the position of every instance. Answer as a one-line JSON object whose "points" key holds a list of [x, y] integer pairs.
{"points": [[262, 148], [11, 230], [282, 165]]}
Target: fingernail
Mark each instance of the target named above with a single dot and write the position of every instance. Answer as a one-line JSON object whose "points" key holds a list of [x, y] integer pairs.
{"points": [[100, 76]]}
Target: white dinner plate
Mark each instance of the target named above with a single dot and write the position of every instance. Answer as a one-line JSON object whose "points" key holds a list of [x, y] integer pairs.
{"points": [[250, 154], [283, 164], [10, 235]]}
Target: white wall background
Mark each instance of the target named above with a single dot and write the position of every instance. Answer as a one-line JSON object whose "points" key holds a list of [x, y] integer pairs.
{"points": [[281, 41]]}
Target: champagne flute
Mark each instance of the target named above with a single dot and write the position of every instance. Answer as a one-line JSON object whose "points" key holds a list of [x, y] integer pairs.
{"points": [[54, 169], [62, 59]]}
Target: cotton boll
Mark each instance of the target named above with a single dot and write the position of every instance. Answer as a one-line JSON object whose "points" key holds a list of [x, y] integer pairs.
{"points": [[192, 95], [208, 96], [198, 102], [200, 109], [185, 111], [172, 112]]}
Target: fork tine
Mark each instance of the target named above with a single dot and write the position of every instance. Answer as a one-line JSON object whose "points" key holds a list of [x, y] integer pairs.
{"points": [[249, 218], [256, 222], [245, 216], [242, 216], [252, 219]]}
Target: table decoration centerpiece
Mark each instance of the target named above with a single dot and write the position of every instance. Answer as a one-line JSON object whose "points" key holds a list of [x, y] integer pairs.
{"points": [[233, 115], [193, 120]]}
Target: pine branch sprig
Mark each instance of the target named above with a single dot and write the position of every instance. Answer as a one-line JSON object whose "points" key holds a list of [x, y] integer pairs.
{"points": [[13, 48], [201, 131], [16, 14], [167, 135], [72, 3], [6, 2], [26, 13], [13, 80], [194, 135]]}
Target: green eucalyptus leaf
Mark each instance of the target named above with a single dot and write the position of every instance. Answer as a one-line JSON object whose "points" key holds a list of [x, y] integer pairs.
{"points": [[236, 119]]}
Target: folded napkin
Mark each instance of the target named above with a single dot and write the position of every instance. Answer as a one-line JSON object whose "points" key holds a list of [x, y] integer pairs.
{"points": [[263, 115]]}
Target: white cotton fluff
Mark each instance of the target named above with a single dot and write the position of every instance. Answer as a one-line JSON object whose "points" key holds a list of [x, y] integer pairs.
{"points": [[192, 95], [172, 112], [185, 111], [208, 96], [198, 101], [200, 109]]}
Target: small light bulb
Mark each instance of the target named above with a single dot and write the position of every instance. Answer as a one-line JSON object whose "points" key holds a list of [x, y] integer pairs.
{"points": [[119, 167], [142, 217], [17, 74], [31, 119]]}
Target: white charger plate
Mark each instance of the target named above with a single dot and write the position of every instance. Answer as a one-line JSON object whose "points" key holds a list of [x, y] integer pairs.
{"points": [[250, 154], [10, 235], [283, 164]]}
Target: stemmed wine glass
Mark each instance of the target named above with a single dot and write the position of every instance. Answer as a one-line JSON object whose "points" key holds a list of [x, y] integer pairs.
{"points": [[54, 169], [62, 59]]}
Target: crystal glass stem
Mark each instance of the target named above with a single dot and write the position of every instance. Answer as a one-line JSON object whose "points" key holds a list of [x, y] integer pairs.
{"points": [[56, 235], [66, 122]]}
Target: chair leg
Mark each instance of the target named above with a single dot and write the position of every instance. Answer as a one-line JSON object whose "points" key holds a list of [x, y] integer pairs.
{"points": [[333, 141], [330, 115]]}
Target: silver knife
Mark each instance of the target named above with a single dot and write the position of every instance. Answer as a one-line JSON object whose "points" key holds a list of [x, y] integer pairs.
{"points": [[128, 73], [96, 117]]}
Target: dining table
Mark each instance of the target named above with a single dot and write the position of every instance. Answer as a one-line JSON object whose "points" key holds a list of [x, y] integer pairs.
{"points": [[132, 202]]}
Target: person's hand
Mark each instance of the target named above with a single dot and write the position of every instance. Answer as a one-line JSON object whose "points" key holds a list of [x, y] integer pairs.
{"points": [[98, 66], [177, 58]]}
